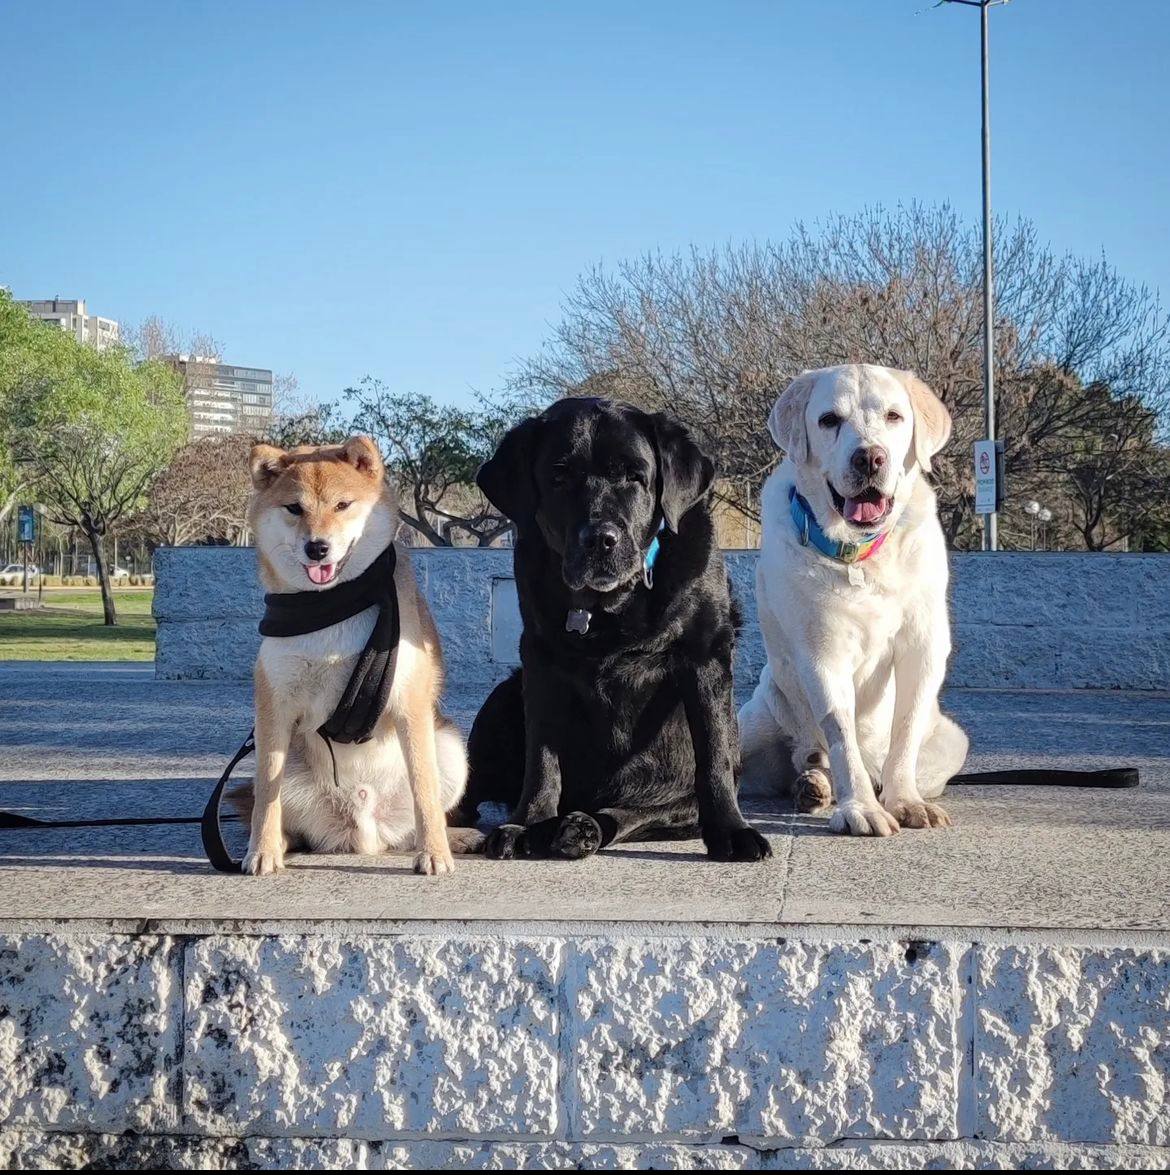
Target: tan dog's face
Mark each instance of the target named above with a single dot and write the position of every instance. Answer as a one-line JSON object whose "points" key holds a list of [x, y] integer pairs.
{"points": [[319, 512], [859, 435]]}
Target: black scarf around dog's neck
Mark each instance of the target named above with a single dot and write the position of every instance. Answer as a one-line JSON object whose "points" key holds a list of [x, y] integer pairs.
{"points": [[364, 698]]}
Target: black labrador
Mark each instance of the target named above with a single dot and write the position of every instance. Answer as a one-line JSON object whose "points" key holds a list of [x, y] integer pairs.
{"points": [[620, 725]]}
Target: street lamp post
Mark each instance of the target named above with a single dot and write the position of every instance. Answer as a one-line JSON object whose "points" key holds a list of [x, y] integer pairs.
{"points": [[990, 521]]}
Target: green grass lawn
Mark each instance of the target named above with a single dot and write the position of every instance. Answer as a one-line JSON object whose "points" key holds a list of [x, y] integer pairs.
{"points": [[70, 628]]}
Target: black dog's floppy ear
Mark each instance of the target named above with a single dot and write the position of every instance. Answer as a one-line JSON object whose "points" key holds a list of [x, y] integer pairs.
{"points": [[685, 472], [506, 477]]}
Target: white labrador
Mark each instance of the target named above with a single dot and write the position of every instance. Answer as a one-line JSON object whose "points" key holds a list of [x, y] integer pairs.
{"points": [[851, 587]]}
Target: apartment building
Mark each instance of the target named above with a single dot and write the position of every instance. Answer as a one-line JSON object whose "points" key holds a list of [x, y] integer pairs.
{"points": [[225, 398], [71, 315]]}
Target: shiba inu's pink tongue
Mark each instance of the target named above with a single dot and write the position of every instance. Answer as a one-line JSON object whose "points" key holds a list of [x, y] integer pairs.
{"points": [[321, 572], [865, 510]]}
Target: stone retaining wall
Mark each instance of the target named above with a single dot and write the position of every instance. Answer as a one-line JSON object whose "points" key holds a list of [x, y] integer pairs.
{"points": [[1043, 621], [667, 1049]]}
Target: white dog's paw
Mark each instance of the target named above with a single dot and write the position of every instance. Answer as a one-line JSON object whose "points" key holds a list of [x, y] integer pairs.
{"points": [[919, 814], [434, 862], [862, 819], [812, 791], [260, 862]]}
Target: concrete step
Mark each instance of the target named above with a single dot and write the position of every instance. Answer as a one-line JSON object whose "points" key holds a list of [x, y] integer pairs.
{"points": [[996, 995]]}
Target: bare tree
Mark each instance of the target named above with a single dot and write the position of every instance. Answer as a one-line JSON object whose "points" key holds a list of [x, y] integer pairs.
{"points": [[201, 496], [713, 337], [433, 452]]}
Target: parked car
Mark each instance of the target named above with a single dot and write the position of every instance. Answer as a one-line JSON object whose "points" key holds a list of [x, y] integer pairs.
{"points": [[117, 573], [13, 574]]}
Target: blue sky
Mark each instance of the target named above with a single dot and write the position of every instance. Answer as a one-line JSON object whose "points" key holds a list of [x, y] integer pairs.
{"points": [[408, 189]]}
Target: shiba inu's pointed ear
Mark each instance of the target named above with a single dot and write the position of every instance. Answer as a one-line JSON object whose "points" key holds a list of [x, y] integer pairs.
{"points": [[932, 421], [267, 463], [506, 477], [363, 455], [786, 422], [685, 472]]}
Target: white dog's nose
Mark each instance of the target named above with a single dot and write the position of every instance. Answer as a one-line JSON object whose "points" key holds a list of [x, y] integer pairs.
{"points": [[868, 460]]}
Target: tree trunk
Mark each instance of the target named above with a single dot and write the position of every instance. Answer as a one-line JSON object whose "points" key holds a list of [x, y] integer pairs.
{"points": [[95, 541]]}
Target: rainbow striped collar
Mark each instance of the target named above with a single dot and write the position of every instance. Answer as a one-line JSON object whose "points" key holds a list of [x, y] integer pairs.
{"points": [[811, 535]]}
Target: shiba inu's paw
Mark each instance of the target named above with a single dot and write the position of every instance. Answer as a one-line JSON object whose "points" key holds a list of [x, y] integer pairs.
{"points": [[862, 819], [915, 814], [434, 862], [262, 861]]}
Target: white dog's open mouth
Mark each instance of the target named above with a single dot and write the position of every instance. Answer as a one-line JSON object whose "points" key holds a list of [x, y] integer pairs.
{"points": [[866, 509]]}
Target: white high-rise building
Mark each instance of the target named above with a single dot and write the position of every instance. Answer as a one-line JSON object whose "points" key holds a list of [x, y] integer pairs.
{"points": [[71, 316]]}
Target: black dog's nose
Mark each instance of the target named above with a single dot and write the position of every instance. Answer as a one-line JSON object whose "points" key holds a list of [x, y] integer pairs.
{"points": [[316, 549], [600, 537], [869, 461]]}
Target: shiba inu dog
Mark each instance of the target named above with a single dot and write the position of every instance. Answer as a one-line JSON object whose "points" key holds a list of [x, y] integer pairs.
{"points": [[321, 517]]}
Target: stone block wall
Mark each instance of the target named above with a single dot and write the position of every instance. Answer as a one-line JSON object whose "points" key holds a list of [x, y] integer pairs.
{"points": [[1021, 621], [550, 1049]]}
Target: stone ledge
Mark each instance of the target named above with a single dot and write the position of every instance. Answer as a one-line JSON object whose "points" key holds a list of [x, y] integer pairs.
{"points": [[586, 1039], [30, 1150]]}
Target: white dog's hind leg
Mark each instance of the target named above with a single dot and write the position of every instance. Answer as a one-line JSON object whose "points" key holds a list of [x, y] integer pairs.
{"points": [[767, 763], [944, 751]]}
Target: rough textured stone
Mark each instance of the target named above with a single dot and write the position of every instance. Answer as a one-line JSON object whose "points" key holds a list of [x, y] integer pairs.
{"points": [[89, 1032], [42, 1152], [787, 1040], [369, 1037], [1049, 621], [206, 650], [1073, 1044]]}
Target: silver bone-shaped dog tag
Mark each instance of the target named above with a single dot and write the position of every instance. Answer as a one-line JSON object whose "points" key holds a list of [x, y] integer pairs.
{"points": [[578, 620]]}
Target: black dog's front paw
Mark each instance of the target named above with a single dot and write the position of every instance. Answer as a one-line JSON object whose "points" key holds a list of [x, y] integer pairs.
{"points": [[736, 844], [577, 836], [506, 841]]}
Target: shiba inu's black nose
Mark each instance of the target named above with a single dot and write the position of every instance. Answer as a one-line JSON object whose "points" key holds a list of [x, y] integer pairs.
{"points": [[316, 549]]}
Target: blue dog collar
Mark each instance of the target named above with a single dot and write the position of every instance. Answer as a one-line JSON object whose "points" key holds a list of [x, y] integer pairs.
{"points": [[811, 535], [651, 555]]}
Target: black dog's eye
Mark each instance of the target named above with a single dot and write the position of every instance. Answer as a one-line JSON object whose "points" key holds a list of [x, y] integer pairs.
{"points": [[893, 417], [342, 505], [829, 420], [295, 509]]}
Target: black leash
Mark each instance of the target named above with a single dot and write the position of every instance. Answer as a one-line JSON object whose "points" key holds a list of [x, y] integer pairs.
{"points": [[1113, 777], [209, 829]]}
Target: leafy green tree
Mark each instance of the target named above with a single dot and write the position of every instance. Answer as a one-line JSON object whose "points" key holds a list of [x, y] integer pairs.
{"points": [[87, 431]]}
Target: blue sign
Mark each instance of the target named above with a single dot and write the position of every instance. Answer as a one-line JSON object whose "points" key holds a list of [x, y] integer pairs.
{"points": [[27, 524]]}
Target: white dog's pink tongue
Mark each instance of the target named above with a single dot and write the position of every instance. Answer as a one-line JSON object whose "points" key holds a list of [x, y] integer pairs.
{"points": [[864, 511], [321, 572]]}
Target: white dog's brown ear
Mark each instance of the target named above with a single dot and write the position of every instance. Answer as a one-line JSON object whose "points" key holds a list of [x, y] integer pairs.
{"points": [[932, 421], [363, 455], [267, 463], [786, 422]]}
